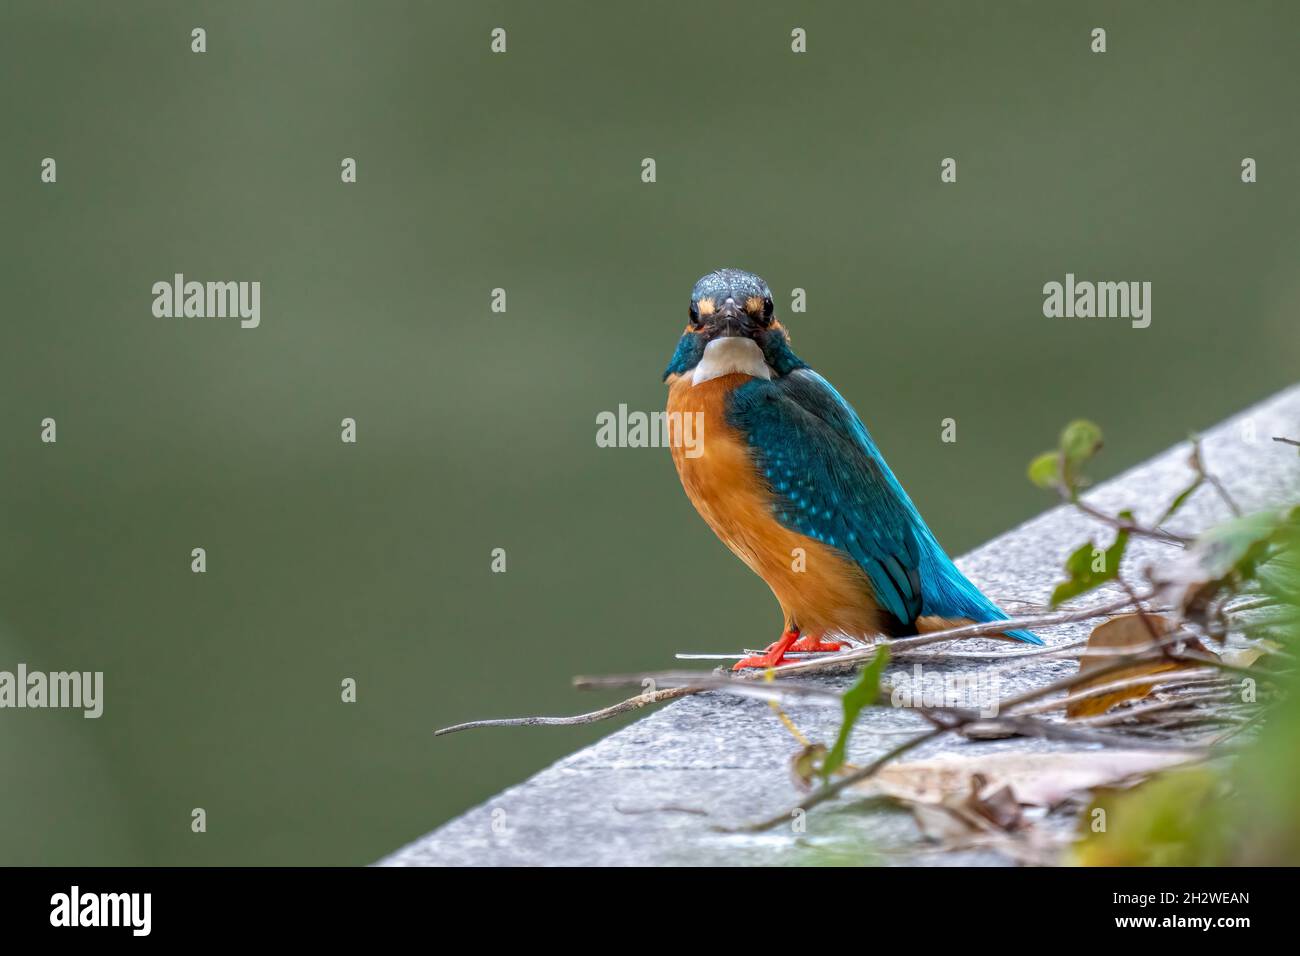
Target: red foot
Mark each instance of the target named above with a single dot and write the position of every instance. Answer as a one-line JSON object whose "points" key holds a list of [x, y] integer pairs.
{"points": [[814, 644], [790, 641], [775, 655]]}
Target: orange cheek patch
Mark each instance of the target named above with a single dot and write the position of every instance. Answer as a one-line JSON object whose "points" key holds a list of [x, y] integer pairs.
{"points": [[706, 307], [753, 305]]}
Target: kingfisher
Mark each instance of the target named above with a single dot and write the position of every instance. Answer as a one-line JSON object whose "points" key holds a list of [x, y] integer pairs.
{"points": [[790, 479]]}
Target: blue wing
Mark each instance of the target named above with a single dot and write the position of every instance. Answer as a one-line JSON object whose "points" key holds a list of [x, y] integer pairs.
{"points": [[830, 482]]}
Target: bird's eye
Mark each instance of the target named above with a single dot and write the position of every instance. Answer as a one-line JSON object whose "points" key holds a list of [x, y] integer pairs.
{"points": [[767, 307], [695, 315]]}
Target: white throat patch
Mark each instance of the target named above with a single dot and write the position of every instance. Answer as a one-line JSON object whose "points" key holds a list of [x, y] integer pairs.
{"points": [[733, 353]]}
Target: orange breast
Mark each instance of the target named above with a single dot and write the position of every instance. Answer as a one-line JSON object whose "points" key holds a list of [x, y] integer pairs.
{"points": [[820, 590]]}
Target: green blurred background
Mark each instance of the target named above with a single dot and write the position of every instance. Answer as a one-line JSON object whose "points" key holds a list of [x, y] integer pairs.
{"points": [[477, 430]]}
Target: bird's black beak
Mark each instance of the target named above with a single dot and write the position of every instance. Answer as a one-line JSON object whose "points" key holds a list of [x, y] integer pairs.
{"points": [[731, 320]]}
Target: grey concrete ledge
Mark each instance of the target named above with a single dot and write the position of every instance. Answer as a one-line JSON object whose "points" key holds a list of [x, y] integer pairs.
{"points": [[652, 793]]}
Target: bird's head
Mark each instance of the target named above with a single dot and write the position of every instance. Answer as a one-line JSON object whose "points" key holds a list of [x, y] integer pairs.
{"points": [[732, 328]]}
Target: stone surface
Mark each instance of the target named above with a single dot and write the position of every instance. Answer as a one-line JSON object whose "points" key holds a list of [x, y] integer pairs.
{"points": [[653, 793]]}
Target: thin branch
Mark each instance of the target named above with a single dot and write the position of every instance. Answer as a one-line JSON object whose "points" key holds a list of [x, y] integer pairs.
{"points": [[1198, 462], [834, 789], [698, 681], [1211, 660], [1062, 650], [1126, 683], [904, 644], [1141, 710], [1254, 604], [614, 710], [940, 715], [1124, 524], [1147, 621], [960, 719], [1253, 721], [1068, 683], [836, 660], [943, 719]]}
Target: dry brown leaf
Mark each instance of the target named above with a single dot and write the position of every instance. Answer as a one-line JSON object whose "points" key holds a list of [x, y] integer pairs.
{"points": [[1032, 779], [1029, 845], [959, 815], [940, 824], [1125, 632], [804, 764], [997, 806], [979, 802]]}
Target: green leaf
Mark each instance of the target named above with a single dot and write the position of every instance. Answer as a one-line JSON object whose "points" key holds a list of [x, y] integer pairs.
{"points": [[1079, 442], [1180, 500], [1045, 470], [1060, 469], [1195, 463], [1179, 818], [1083, 576], [860, 695], [1225, 557], [1279, 573], [1235, 546]]}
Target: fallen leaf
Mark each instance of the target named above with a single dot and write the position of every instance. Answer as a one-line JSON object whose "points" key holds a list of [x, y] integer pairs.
{"points": [[1028, 846], [1032, 779], [992, 802], [957, 816], [1000, 807], [1125, 632], [939, 824]]}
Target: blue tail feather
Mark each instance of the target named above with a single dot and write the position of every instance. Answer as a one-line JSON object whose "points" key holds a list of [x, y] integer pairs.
{"points": [[949, 593], [1029, 637]]}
